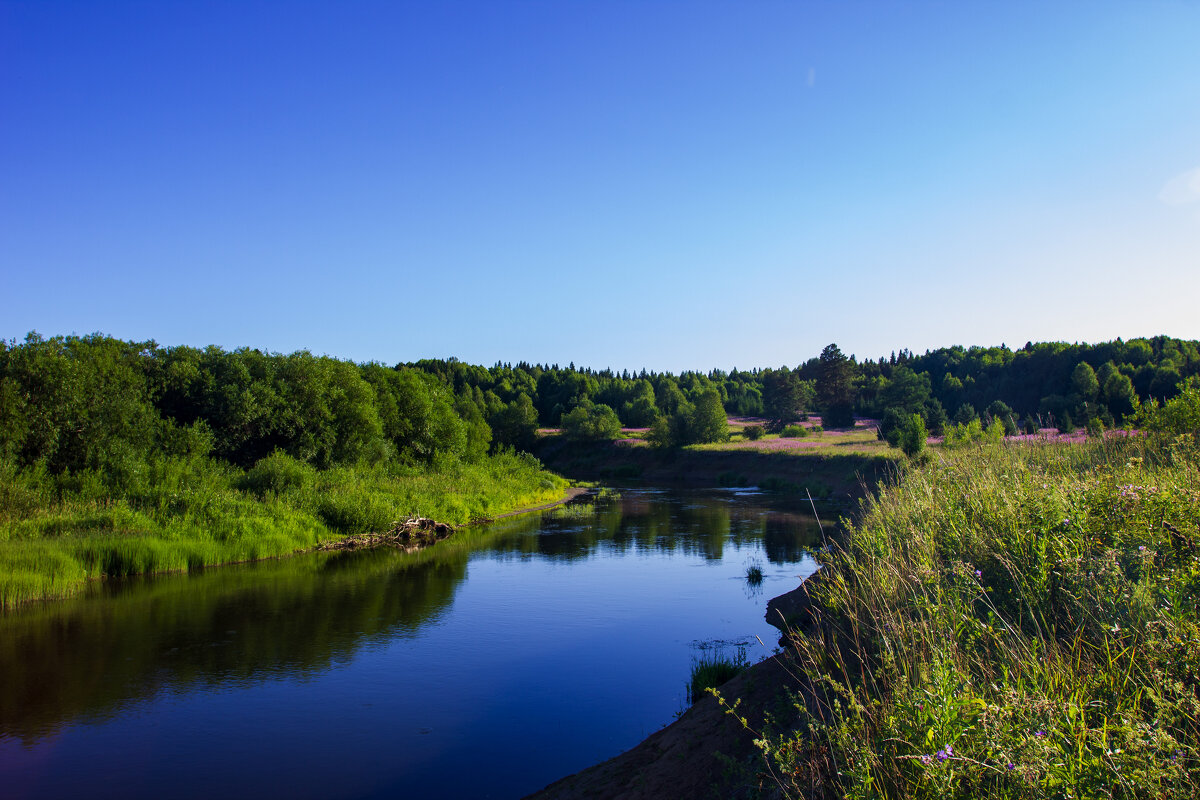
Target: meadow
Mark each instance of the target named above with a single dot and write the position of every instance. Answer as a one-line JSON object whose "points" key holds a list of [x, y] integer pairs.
{"points": [[1004, 620]]}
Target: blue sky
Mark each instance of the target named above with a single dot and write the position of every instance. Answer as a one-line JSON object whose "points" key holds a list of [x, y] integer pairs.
{"points": [[680, 185]]}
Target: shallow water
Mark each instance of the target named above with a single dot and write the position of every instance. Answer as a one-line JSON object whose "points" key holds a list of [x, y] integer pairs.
{"points": [[486, 666]]}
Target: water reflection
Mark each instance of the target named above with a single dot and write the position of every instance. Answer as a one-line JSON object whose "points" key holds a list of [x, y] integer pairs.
{"points": [[89, 659]]}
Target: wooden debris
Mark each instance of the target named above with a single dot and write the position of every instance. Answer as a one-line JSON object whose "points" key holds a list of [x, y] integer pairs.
{"points": [[410, 534]]}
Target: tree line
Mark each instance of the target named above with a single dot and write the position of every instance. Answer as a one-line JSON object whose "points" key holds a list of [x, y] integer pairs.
{"points": [[96, 402], [1052, 384]]}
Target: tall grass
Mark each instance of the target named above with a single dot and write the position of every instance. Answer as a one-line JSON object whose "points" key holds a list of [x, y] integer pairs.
{"points": [[711, 670], [58, 532], [1008, 621]]}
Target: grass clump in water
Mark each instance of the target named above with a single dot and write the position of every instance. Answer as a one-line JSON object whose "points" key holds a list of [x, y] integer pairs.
{"points": [[711, 670]]}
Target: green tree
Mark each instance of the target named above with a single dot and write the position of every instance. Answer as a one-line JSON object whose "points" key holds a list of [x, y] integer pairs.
{"points": [[515, 424], [591, 422], [1119, 395], [709, 423], [906, 391], [782, 396], [1084, 382], [913, 436], [835, 388]]}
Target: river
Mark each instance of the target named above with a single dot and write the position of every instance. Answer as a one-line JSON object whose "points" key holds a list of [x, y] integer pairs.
{"points": [[487, 665]]}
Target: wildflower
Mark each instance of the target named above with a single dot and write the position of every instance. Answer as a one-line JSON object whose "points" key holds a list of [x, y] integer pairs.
{"points": [[1141, 548], [1011, 766], [978, 573], [941, 755], [926, 759], [949, 750], [1039, 734]]}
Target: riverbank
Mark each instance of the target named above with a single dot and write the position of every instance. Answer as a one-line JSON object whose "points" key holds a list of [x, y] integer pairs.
{"points": [[835, 478], [1017, 620], [58, 533], [707, 751]]}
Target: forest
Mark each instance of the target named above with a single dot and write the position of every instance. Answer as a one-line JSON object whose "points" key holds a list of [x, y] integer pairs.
{"points": [[94, 402], [1052, 384]]}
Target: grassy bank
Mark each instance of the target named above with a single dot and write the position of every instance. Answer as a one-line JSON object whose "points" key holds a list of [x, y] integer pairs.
{"points": [[833, 475], [59, 531], [1007, 621]]}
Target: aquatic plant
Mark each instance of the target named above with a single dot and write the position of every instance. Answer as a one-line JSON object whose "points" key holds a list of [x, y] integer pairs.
{"points": [[711, 670]]}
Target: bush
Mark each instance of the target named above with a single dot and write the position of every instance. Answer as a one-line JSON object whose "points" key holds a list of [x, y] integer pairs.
{"points": [[912, 438], [793, 431], [588, 422], [277, 473], [892, 426], [1179, 415], [753, 432]]}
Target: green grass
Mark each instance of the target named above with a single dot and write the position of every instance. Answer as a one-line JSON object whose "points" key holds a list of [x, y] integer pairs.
{"points": [[1007, 621], [57, 533], [711, 670]]}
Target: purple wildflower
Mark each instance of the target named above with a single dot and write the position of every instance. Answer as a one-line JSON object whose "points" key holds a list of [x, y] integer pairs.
{"points": [[978, 573], [1039, 734], [926, 759], [1011, 766], [941, 755]]}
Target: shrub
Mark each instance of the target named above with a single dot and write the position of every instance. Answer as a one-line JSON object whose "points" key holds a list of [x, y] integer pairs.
{"points": [[793, 431], [753, 432], [277, 473], [1179, 415], [588, 422], [912, 437]]}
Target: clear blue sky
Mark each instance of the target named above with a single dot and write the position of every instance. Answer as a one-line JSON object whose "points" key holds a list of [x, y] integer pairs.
{"points": [[680, 185]]}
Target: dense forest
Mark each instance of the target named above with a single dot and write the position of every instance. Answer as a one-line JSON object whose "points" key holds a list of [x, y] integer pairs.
{"points": [[1040, 385], [94, 402]]}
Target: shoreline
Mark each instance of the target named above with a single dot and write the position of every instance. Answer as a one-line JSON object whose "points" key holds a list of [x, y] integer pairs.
{"points": [[439, 531], [681, 758]]}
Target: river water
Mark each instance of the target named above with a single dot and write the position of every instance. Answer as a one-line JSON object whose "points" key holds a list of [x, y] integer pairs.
{"points": [[488, 665]]}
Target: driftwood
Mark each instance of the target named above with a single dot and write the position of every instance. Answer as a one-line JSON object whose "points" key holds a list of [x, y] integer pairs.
{"points": [[410, 534]]}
